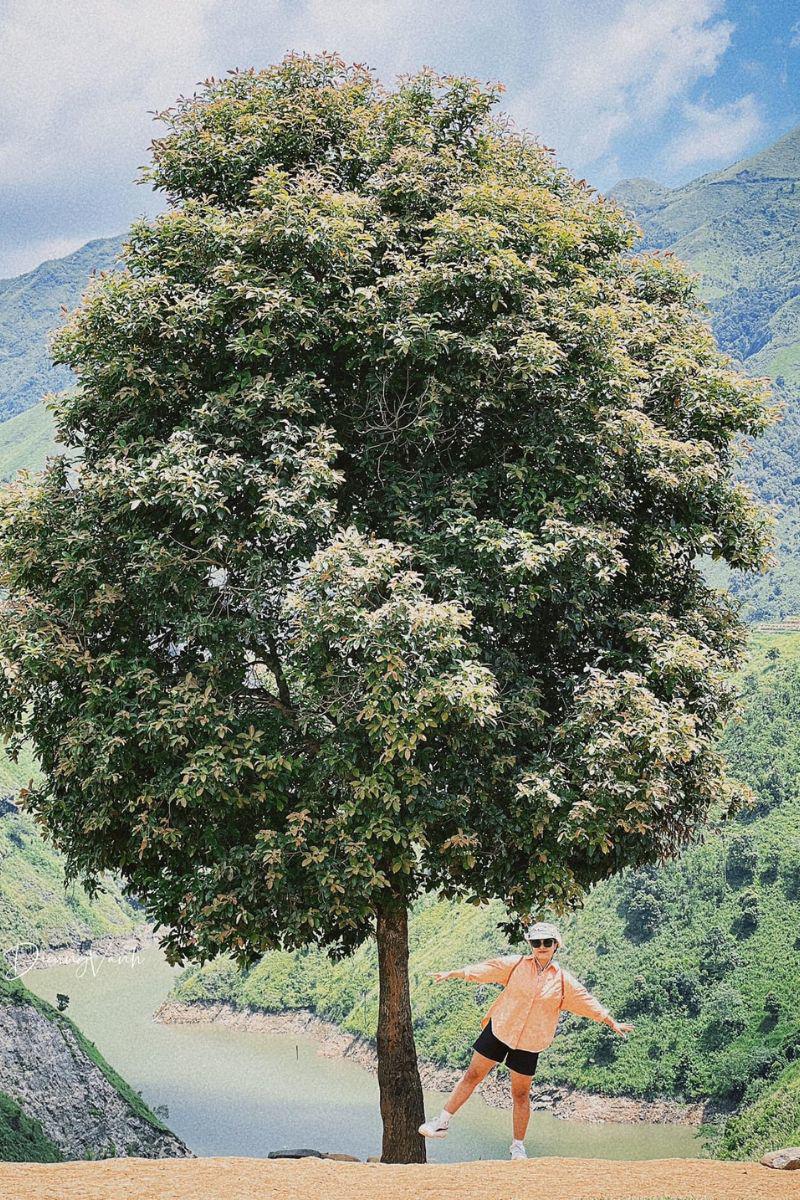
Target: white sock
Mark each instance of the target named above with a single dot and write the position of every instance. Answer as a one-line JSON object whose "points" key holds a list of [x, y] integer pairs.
{"points": [[444, 1117], [518, 1142]]}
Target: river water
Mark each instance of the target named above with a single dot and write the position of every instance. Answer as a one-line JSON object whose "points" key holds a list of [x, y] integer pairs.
{"points": [[232, 1092]]}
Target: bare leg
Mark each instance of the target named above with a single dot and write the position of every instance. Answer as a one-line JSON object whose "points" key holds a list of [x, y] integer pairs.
{"points": [[521, 1095], [478, 1069]]}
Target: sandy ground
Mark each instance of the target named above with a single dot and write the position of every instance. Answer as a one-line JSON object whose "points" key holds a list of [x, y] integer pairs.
{"points": [[315, 1179]]}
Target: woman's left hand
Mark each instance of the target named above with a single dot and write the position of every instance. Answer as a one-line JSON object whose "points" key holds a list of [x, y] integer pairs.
{"points": [[622, 1030]]}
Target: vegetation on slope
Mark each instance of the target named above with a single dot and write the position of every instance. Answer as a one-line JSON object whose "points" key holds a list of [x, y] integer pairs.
{"points": [[35, 905], [703, 955], [25, 441], [739, 229], [21, 1138], [30, 309], [770, 1121]]}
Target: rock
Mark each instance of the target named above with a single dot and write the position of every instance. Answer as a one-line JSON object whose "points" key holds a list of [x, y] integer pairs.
{"points": [[44, 1068], [342, 1157], [783, 1160], [297, 1154]]}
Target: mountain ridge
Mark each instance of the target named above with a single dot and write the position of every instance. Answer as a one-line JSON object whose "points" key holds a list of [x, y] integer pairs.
{"points": [[30, 309], [738, 228]]}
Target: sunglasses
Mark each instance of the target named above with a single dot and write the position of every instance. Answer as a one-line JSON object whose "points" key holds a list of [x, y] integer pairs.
{"points": [[538, 942]]}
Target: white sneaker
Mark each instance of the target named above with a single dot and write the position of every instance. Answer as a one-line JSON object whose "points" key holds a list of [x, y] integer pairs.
{"points": [[518, 1150], [434, 1128]]}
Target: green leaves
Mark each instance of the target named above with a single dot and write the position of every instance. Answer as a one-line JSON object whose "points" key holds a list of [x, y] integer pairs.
{"points": [[372, 569], [377, 654]]}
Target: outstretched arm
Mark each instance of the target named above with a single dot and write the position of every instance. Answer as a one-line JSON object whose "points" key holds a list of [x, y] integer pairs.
{"points": [[493, 970], [578, 1000]]}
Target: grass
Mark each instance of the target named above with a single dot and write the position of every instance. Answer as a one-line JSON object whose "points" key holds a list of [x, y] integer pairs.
{"points": [[21, 1138], [25, 441]]}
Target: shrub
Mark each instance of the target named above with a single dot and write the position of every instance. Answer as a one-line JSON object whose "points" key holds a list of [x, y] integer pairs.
{"points": [[727, 1015], [718, 955], [749, 911], [741, 861]]}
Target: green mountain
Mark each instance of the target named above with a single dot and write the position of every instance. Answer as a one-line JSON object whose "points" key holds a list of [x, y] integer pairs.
{"points": [[25, 441], [30, 309], [702, 955], [36, 907], [739, 229]]}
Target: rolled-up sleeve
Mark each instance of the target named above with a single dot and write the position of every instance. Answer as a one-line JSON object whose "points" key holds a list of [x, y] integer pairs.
{"points": [[581, 1002], [494, 970]]}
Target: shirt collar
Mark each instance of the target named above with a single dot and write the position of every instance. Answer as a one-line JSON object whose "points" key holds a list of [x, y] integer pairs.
{"points": [[551, 965]]}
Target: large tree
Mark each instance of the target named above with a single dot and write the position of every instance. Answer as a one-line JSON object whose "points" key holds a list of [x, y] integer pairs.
{"points": [[371, 568]]}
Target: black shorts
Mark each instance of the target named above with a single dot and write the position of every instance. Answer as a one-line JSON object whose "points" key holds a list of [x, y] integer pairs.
{"points": [[490, 1046]]}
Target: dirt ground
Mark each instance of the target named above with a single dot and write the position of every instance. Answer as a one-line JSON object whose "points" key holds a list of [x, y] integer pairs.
{"points": [[316, 1179]]}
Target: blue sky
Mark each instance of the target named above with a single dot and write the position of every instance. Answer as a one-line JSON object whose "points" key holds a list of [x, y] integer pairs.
{"points": [[664, 88]]}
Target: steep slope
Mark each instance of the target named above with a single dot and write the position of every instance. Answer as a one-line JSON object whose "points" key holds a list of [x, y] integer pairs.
{"points": [[25, 441], [36, 907], [30, 308], [703, 955], [22, 1139], [740, 230], [772, 1119], [64, 1086]]}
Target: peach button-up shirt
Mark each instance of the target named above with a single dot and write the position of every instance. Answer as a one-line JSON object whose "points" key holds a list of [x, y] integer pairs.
{"points": [[525, 1014]]}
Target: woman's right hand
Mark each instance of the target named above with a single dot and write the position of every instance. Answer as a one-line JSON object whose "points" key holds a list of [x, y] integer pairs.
{"points": [[439, 976]]}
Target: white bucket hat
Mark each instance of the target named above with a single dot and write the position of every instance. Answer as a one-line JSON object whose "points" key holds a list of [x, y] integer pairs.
{"points": [[543, 929]]}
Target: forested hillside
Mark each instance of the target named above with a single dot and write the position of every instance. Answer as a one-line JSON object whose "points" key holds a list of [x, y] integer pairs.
{"points": [[740, 230], [703, 955], [30, 309], [35, 905]]}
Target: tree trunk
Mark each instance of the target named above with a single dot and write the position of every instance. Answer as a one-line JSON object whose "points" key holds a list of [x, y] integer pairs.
{"points": [[402, 1107]]}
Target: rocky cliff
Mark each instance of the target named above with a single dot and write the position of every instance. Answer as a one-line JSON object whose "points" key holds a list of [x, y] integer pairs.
{"points": [[60, 1080]]}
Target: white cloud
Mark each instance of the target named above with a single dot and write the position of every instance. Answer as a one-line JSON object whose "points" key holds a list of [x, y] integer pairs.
{"points": [[79, 78], [622, 73], [715, 135], [21, 259], [593, 79]]}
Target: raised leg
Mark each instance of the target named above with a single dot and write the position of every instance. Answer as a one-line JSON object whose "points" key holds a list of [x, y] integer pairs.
{"points": [[478, 1069]]}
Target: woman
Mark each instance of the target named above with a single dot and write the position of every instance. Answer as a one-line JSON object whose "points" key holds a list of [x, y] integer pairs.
{"points": [[519, 1023]]}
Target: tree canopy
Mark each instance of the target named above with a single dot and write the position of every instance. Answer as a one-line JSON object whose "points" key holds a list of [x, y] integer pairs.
{"points": [[372, 569]]}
